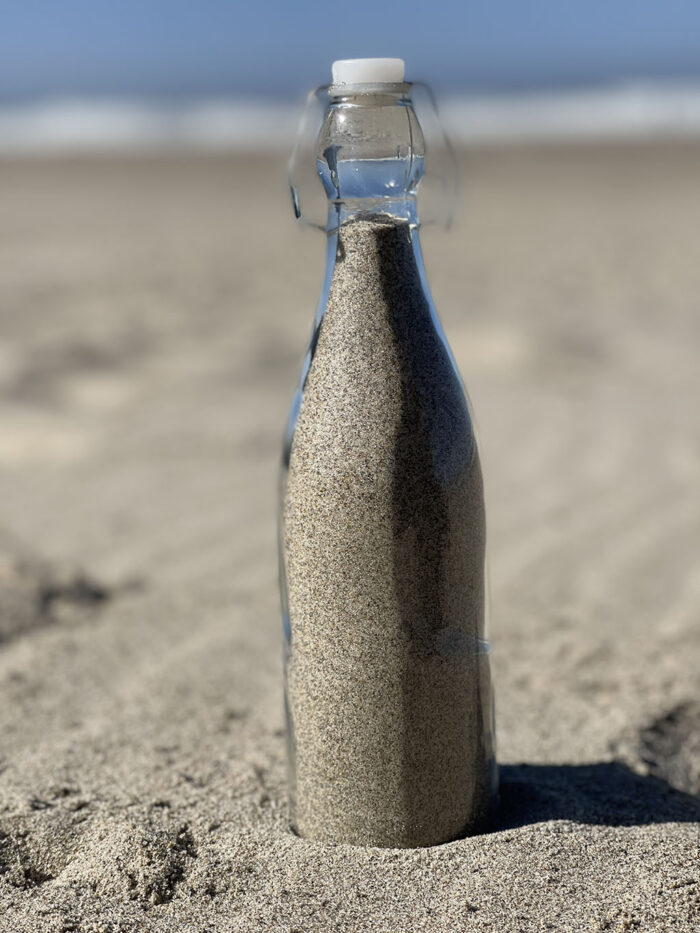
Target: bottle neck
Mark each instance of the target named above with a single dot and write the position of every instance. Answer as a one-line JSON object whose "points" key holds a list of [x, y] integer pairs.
{"points": [[402, 210], [361, 187], [370, 157]]}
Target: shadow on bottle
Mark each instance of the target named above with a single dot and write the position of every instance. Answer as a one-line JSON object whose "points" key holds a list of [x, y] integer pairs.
{"points": [[602, 794]]}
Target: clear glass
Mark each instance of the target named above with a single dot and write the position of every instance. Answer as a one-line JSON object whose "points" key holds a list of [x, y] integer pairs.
{"points": [[382, 528]]}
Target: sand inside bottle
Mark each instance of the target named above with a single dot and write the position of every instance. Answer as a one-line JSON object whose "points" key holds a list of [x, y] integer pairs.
{"points": [[383, 541]]}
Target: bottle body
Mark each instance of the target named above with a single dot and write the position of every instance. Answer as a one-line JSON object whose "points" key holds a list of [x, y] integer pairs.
{"points": [[382, 538]]}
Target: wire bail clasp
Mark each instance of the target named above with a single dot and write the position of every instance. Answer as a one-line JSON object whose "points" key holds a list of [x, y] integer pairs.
{"points": [[308, 200]]}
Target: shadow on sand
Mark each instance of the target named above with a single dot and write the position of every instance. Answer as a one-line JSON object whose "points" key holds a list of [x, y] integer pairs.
{"points": [[603, 794]]}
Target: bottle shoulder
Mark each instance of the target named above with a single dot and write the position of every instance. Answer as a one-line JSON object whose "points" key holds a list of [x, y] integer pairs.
{"points": [[379, 372], [371, 404]]}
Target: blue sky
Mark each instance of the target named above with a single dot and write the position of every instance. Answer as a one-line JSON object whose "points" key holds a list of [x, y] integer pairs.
{"points": [[175, 48]]}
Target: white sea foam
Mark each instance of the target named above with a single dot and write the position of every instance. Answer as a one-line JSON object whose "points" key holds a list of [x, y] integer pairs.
{"points": [[78, 125], [641, 110]]}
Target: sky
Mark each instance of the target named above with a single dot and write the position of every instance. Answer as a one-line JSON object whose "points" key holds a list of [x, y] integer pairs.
{"points": [[170, 48]]}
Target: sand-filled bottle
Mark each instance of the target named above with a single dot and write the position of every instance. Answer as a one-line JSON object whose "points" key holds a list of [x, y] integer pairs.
{"points": [[382, 526]]}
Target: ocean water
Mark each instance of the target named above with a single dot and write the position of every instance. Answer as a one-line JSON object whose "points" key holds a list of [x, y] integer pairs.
{"points": [[635, 110]]}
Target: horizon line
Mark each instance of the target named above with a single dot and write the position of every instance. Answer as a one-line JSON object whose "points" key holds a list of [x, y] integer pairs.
{"points": [[126, 123]]}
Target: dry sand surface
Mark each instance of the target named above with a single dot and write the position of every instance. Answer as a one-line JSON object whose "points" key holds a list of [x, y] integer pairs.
{"points": [[154, 316]]}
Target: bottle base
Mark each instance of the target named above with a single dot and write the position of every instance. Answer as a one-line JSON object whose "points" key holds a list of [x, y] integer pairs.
{"points": [[480, 826]]}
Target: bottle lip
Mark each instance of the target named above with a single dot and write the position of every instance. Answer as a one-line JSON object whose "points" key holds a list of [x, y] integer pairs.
{"points": [[375, 89]]}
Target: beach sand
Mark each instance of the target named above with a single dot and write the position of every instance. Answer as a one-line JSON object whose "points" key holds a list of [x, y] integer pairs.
{"points": [[155, 312]]}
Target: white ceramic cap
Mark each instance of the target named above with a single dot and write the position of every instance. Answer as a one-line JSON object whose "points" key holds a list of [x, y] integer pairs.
{"points": [[368, 71]]}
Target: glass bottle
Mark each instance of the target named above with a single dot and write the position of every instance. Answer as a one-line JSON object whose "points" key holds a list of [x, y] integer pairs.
{"points": [[382, 529]]}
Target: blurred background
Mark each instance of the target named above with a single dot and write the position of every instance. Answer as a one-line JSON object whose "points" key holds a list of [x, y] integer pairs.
{"points": [[218, 74], [156, 298]]}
